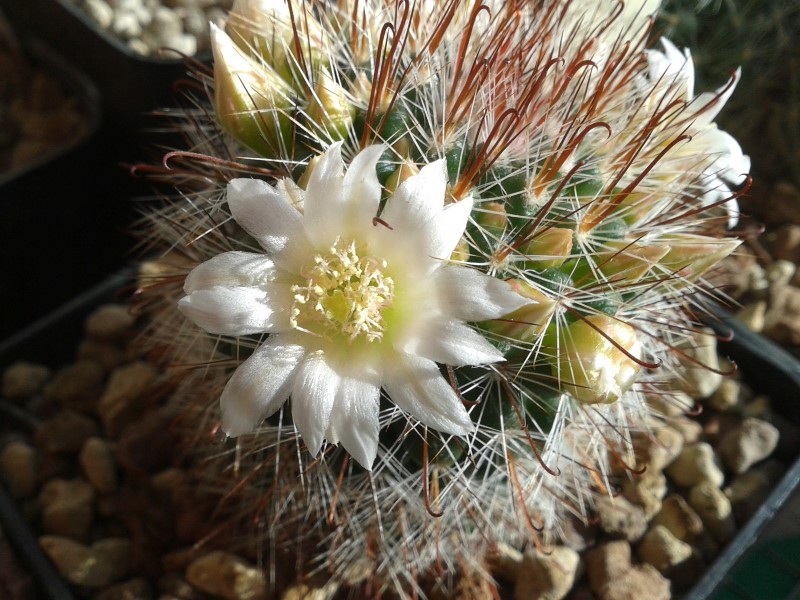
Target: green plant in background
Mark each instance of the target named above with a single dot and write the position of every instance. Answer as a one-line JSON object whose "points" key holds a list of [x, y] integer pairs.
{"points": [[453, 241], [763, 37]]}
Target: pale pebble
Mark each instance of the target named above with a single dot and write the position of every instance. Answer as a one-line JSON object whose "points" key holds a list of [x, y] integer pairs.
{"points": [[714, 509], [126, 395], [77, 386], [97, 462], [126, 25], [661, 549], [303, 591], [546, 576], [100, 11], [663, 447], [641, 581], [227, 575], [18, 468], [619, 518], [647, 491], [752, 441], [691, 431], [701, 366], [67, 508], [748, 491], [696, 463], [107, 561], [680, 519], [23, 380], [606, 562], [727, 397]]}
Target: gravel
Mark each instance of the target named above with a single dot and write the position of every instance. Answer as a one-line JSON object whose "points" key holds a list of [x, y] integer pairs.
{"points": [[156, 28], [119, 514]]}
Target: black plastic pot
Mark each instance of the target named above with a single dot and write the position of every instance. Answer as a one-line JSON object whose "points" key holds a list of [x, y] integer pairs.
{"points": [[49, 248], [65, 223], [762, 562], [131, 84]]}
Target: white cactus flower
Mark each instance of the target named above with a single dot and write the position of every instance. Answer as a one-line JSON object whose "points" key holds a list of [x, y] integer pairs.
{"points": [[352, 301], [729, 165]]}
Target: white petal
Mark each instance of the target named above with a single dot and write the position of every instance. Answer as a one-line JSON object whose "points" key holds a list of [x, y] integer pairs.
{"points": [[313, 394], [708, 104], [470, 295], [450, 342], [416, 386], [446, 229], [732, 208], [292, 192], [419, 226], [718, 191], [682, 65], [672, 67], [239, 310], [322, 208], [675, 56], [260, 385], [417, 200], [743, 167], [732, 165], [264, 213], [354, 419], [361, 190], [658, 64], [230, 269]]}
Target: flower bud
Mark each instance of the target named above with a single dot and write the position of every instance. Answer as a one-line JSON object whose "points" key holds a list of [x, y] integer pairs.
{"points": [[408, 169], [549, 248], [492, 217], [690, 255], [628, 261], [309, 170], [592, 358], [528, 322], [264, 28], [330, 111], [252, 102]]}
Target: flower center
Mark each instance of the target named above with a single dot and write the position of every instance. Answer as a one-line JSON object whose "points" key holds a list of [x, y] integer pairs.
{"points": [[344, 293]]}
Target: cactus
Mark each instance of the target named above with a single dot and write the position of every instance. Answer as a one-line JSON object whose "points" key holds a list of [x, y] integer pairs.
{"points": [[435, 273]]}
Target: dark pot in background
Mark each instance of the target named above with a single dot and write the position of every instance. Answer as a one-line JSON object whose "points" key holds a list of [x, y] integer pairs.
{"points": [[130, 84], [57, 222], [67, 223]]}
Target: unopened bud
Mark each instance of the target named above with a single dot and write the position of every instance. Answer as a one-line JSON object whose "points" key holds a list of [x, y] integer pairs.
{"points": [[406, 169], [491, 216], [691, 255], [330, 111], [253, 103], [265, 28], [629, 261], [593, 358], [548, 248], [528, 322]]}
